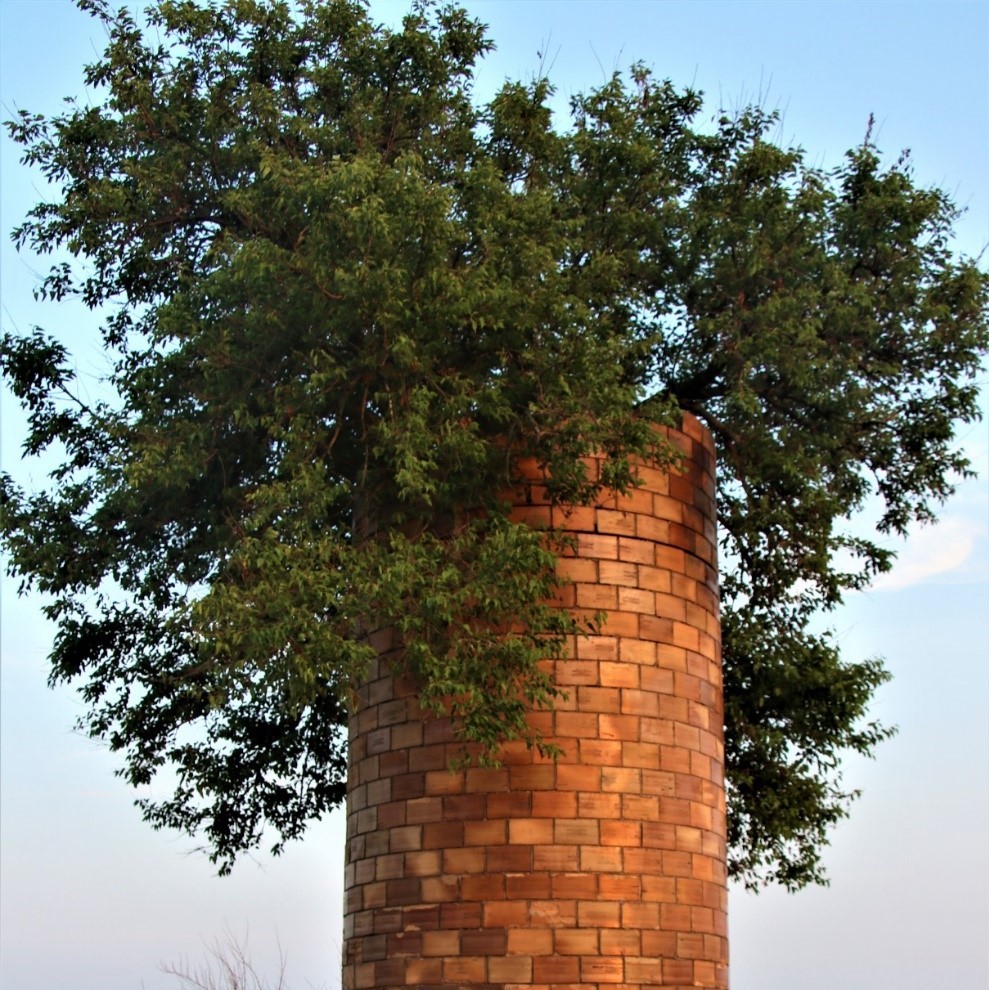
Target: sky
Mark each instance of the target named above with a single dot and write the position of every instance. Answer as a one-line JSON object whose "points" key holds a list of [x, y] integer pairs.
{"points": [[92, 898]]}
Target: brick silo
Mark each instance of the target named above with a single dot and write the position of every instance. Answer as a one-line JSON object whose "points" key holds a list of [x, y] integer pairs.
{"points": [[604, 868]]}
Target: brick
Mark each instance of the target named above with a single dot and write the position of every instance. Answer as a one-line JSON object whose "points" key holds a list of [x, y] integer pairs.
{"points": [[636, 551], [599, 805], [657, 629], [678, 971], [600, 752], [575, 942], [636, 702], [576, 886], [553, 913], [658, 943], [464, 807], [389, 867], [659, 835], [556, 970], [686, 636], [530, 831], [406, 839], [637, 600], [621, 624], [464, 969], [598, 914], [506, 914], [527, 886], [530, 942], [658, 679], [390, 815], [510, 969], [616, 572], [677, 864], [442, 835], [389, 972], [555, 858], [464, 861], [620, 887], [644, 755], [600, 648], [656, 579], [702, 920], [625, 780], [511, 805], [575, 672], [594, 547], [406, 890], [555, 804], [656, 730], [597, 596], [640, 969], [408, 943], [460, 915], [670, 657], [439, 889], [375, 896], [482, 887], [579, 570], [364, 871], [617, 522], [580, 831], [638, 916], [687, 737], [509, 859], [648, 527], [484, 780], [601, 859], [662, 890], [602, 970], [485, 833], [425, 809], [444, 782], [576, 725], [428, 758], [490, 942], [575, 778], [689, 839], [621, 833], [621, 727], [599, 699], [419, 971], [621, 943], [378, 741], [659, 782], [376, 792], [618, 674], [640, 807], [534, 778]]}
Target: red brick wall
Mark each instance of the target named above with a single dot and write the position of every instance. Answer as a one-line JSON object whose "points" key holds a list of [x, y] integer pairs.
{"points": [[606, 868]]}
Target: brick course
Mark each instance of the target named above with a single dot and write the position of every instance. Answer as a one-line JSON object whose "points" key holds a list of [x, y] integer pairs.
{"points": [[607, 868]]}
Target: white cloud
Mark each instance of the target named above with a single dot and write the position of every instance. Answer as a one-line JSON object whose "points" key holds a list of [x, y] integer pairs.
{"points": [[947, 550]]}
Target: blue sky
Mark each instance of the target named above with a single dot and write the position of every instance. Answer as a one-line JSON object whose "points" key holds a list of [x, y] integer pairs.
{"points": [[91, 898]]}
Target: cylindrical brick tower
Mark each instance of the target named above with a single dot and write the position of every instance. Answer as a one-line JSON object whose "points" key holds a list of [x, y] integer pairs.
{"points": [[605, 867]]}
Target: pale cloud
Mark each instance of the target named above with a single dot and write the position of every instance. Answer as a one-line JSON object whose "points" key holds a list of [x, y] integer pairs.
{"points": [[945, 551]]}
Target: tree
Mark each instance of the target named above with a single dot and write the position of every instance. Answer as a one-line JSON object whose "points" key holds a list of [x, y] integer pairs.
{"points": [[336, 290], [228, 966]]}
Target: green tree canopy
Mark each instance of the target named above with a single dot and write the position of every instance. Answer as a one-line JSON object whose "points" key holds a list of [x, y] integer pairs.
{"points": [[335, 287]]}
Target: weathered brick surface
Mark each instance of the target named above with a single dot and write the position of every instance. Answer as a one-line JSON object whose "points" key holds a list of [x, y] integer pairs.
{"points": [[604, 869]]}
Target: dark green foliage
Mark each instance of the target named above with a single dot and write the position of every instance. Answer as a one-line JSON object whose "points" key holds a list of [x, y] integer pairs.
{"points": [[341, 299]]}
